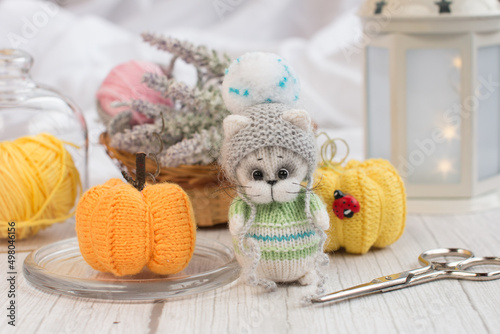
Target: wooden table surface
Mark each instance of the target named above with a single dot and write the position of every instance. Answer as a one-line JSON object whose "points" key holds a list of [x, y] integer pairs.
{"points": [[438, 307]]}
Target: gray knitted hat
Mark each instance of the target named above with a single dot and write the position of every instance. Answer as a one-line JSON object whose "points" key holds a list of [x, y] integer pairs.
{"points": [[260, 89], [265, 127]]}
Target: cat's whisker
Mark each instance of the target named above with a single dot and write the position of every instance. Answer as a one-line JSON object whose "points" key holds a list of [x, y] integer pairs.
{"points": [[307, 189], [222, 189], [225, 190], [317, 186], [300, 192], [300, 184], [229, 195], [246, 193], [236, 201]]}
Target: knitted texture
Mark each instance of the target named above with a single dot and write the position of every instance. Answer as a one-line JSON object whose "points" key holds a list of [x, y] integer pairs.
{"points": [[266, 127], [288, 243], [269, 150], [258, 77], [270, 161], [124, 84], [380, 192], [120, 230]]}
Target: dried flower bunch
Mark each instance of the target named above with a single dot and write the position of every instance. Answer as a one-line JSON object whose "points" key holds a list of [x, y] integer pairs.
{"points": [[192, 129]]}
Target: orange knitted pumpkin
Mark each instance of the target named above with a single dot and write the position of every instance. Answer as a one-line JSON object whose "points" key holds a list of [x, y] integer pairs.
{"points": [[121, 230]]}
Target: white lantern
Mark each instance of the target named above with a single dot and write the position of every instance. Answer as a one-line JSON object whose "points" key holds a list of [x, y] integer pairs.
{"points": [[432, 71]]}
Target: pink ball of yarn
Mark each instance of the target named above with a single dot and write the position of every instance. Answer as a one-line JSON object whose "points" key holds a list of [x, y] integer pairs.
{"points": [[124, 83]]}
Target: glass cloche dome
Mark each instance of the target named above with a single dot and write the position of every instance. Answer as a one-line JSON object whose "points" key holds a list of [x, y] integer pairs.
{"points": [[43, 150]]}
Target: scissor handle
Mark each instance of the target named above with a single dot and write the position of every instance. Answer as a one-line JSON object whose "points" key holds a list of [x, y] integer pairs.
{"points": [[480, 276], [425, 257]]}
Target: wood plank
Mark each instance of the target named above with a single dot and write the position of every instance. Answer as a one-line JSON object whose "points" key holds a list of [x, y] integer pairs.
{"points": [[444, 306], [47, 236]]}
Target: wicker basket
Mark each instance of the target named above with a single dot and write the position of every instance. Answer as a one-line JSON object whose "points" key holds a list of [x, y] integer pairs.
{"points": [[204, 184]]}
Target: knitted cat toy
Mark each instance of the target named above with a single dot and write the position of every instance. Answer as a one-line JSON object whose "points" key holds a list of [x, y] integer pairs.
{"points": [[269, 149]]}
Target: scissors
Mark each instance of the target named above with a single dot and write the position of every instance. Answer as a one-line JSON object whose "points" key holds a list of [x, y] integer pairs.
{"points": [[430, 271]]}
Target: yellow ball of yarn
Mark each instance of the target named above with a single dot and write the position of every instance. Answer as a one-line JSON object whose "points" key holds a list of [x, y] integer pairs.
{"points": [[39, 184]]}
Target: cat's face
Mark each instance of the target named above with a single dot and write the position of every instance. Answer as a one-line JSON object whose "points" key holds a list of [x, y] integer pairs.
{"points": [[271, 174]]}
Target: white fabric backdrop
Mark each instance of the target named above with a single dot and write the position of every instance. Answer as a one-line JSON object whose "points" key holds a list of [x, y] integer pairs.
{"points": [[76, 45]]}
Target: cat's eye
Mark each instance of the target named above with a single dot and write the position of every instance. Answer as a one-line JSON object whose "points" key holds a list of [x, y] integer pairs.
{"points": [[282, 174], [258, 175]]}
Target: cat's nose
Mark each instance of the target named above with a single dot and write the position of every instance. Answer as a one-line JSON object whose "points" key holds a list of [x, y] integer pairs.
{"points": [[272, 182]]}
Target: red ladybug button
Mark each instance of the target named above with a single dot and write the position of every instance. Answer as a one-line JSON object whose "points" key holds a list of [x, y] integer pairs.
{"points": [[344, 206]]}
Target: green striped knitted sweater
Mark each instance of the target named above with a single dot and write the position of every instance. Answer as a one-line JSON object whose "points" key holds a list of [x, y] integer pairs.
{"points": [[288, 243]]}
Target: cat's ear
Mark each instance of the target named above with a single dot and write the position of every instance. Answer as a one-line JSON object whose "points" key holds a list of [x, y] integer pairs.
{"points": [[234, 123], [298, 118]]}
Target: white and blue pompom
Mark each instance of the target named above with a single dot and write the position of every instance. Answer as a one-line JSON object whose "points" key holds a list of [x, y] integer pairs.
{"points": [[258, 77]]}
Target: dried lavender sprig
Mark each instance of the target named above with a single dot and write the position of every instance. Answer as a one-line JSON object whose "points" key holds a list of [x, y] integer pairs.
{"points": [[119, 123], [207, 100], [187, 124], [203, 148], [131, 142], [142, 138], [199, 56], [162, 84], [151, 110], [193, 126], [177, 126]]}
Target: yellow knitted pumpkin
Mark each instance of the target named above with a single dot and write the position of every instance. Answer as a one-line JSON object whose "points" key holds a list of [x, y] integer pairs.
{"points": [[378, 189]]}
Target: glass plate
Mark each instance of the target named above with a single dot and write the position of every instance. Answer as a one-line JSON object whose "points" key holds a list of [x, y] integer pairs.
{"points": [[60, 268]]}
